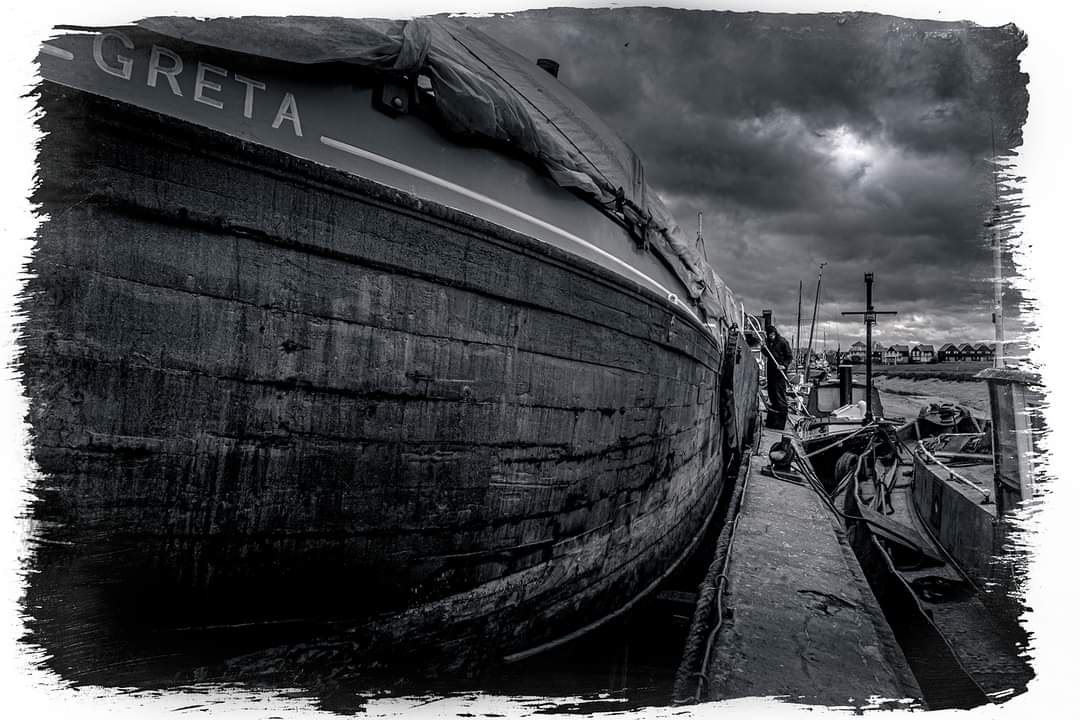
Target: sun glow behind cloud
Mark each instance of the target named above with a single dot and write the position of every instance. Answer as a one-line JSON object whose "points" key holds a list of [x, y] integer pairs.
{"points": [[850, 152]]}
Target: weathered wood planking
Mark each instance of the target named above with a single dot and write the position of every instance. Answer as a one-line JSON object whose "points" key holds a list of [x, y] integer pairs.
{"points": [[268, 375], [974, 537]]}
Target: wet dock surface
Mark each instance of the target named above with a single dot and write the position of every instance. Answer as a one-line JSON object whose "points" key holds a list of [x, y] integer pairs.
{"points": [[799, 619]]}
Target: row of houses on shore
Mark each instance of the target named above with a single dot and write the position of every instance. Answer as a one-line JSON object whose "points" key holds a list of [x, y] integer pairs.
{"points": [[899, 354]]}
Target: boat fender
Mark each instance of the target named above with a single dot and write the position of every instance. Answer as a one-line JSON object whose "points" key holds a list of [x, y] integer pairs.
{"points": [[844, 465]]}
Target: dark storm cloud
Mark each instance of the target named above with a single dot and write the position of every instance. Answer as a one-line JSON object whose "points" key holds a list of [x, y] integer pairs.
{"points": [[857, 139]]}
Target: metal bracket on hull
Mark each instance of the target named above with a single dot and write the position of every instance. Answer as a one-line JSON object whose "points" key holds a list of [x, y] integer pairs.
{"points": [[393, 96]]}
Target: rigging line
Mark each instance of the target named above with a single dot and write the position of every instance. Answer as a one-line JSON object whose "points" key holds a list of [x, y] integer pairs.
{"points": [[757, 331], [846, 437], [978, 488], [839, 513]]}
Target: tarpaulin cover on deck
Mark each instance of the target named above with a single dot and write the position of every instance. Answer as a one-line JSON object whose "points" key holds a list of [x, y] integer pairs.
{"points": [[481, 89]]}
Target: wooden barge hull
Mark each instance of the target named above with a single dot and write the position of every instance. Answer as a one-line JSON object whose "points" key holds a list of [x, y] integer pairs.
{"points": [[263, 390]]}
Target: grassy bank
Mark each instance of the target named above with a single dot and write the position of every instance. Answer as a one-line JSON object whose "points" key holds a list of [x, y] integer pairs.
{"points": [[941, 371]]}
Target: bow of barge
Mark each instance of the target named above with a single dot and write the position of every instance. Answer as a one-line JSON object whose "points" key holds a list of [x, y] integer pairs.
{"points": [[296, 360]]}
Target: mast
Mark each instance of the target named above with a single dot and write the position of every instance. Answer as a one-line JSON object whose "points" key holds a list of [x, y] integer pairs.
{"points": [[870, 318], [817, 294], [999, 314], [995, 239], [798, 327]]}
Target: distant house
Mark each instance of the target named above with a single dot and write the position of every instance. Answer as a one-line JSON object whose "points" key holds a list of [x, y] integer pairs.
{"points": [[984, 352], [896, 354], [966, 352], [922, 354], [857, 353], [877, 352], [948, 353]]}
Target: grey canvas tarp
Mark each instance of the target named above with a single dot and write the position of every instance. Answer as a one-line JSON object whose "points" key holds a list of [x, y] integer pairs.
{"points": [[486, 90]]}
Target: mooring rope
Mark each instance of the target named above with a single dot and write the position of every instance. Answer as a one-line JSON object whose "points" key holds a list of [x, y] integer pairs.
{"points": [[930, 456]]}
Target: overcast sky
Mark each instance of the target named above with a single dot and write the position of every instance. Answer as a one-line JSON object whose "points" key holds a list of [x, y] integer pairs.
{"points": [[858, 140]]}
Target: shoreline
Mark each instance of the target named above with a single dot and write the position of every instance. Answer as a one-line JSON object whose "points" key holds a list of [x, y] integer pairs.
{"points": [[950, 371], [905, 395]]}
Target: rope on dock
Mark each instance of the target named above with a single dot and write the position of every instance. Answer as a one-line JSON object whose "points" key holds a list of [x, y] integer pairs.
{"points": [[693, 670]]}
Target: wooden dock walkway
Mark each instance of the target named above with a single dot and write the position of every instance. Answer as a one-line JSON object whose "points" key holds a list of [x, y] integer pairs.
{"points": [[798, 617]]}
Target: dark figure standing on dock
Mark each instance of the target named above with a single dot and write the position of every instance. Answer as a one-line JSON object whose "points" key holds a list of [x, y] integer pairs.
{"points": [[777, 360]]}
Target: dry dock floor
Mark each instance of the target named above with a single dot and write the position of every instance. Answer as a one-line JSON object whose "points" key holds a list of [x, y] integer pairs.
{"points": [[799, 619]]}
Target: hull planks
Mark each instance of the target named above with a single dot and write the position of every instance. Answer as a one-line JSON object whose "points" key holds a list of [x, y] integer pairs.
{"points": [[268, 393]]}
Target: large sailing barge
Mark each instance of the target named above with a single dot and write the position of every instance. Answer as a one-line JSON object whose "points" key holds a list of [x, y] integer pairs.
{"points": [[357, 325]]}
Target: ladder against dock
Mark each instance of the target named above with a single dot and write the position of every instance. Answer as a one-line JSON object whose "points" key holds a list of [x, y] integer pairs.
{"points": [[797, 617]]}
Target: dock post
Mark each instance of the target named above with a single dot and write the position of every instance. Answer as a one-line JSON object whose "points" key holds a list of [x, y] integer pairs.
{"points": [[1010, 404]]}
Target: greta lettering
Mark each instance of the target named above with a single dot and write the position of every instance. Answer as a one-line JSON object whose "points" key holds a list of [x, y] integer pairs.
{"points": [[213, 86], [202, 84], [121, 65], [288, 111], [175, 67]]}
